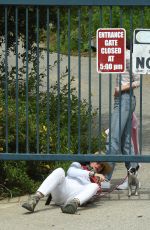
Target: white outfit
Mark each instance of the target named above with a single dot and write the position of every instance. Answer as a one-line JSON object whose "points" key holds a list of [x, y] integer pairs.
{"points": [[76, 184]]}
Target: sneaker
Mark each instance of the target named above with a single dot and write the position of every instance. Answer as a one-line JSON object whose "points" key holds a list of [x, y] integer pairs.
{"points": [[124, 185], [30, 205], [70, 207], [105, 185]]}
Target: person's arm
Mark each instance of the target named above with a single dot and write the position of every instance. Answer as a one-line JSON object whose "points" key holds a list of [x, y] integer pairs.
{"points": [[100, 177], [75, 170], [135, 78], [126, 87]]}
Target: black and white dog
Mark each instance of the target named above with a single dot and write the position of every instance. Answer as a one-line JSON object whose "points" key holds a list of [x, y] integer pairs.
{"points": [[133, 181]]}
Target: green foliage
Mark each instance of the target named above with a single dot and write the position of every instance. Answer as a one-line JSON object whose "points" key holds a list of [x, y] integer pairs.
{"points": [[45, 117], [16, 179], [24, 177], [106, 17]]}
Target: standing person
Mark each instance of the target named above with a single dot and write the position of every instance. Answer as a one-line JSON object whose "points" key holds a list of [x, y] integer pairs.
{"points": [[78, 187], [127, 94]]}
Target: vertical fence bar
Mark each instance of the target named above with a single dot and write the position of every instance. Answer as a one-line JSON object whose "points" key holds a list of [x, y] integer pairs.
{"points": [[131, 91], [58, 80], [37, 79], [90, 106], [141, 93], [69, 101], [48, 82], [110, 92], [140, 136], [100, 94], [79, 80], [6, 79], [27, 98], [17, 101], [120, 79]]}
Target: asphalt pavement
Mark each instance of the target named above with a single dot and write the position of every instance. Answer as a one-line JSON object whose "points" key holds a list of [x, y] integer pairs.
{"points": [[113, 210]]}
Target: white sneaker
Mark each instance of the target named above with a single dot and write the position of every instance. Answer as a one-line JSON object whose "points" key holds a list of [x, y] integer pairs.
{"points": [[124, 185], [105, 185]]}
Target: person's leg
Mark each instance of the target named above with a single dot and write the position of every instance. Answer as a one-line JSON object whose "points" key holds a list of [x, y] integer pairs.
{"points": [[55, 179], [127, 149], [88, 192], [127, 145], [82, 197], [126, 142], [115, 133], [109, 175], [52, 181]]}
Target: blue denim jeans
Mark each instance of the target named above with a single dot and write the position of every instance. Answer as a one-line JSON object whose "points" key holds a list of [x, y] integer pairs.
{"points": [[126, 149]]}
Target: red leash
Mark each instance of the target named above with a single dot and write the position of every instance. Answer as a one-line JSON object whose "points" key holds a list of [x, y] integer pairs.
{"points": [[99, 194]]}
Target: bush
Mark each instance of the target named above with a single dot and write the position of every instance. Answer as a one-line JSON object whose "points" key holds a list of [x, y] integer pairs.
{"points": [[23, 177]]}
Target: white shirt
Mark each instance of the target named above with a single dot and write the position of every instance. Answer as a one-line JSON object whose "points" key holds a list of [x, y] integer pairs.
{"points": [[76, 172], [125, 77]]}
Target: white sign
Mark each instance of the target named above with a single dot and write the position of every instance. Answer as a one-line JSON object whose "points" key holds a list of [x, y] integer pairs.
{"points": [[141, 51]]}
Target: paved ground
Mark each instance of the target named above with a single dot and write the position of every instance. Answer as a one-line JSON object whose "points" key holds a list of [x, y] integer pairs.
{"points": [[113, 211]]}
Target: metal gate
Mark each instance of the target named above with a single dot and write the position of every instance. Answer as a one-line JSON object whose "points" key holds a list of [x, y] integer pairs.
{"points": [[53, 104]]}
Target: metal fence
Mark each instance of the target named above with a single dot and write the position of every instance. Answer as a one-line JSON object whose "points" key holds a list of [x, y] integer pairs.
{"points": [[54, 106]]}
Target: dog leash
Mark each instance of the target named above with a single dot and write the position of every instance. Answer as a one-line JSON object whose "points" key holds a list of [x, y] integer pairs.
{"points": [[111, 190]]}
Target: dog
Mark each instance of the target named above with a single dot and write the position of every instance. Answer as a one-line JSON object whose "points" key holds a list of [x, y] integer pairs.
{"points": [[133, 181]]}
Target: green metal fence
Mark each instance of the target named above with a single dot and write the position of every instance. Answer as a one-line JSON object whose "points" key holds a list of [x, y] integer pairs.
{"points": [[44, 114]]}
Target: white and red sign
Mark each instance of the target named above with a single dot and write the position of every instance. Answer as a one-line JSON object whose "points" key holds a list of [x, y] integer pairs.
{"points": [[111, 49]]}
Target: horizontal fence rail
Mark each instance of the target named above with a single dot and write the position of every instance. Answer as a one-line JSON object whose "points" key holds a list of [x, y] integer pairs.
{"points": [[55, 110], [75, 157], [78, 3]]}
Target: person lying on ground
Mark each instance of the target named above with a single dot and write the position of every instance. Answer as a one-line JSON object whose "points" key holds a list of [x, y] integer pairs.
{"points": [[80, 184]]}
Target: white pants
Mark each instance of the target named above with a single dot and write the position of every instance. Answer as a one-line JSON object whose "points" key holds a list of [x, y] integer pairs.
{"points": [[64, 189]]}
